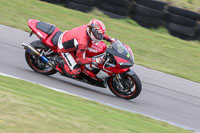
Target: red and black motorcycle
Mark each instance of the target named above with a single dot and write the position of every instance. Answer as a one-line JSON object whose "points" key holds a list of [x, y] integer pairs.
{"points": [[115, 72]]}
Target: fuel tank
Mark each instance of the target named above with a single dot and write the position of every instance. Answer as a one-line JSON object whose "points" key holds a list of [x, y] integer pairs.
{"points": [[94, 49]]}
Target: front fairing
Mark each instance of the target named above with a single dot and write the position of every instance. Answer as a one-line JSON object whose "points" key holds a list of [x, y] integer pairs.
{"points": [[122, 54]]}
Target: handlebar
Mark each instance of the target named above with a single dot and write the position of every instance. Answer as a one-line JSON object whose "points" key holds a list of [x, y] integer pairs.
{"points": [[107, 64]]}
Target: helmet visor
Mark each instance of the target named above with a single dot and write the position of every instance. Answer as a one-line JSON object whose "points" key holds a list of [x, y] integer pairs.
{"points": [[97, 34]]}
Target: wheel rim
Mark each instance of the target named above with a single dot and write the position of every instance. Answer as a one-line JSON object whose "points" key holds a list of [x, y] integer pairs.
{"points": [[37, 64], [129, 87]]}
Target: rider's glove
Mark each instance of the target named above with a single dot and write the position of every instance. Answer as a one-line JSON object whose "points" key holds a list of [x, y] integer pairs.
{"points": [[112, 40]]}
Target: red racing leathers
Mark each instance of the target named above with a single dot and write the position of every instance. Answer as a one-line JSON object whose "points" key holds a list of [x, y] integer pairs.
{"points": [[81, 36]]}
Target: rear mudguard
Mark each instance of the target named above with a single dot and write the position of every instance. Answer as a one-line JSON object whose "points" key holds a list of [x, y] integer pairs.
{"points": [[39, 44]]}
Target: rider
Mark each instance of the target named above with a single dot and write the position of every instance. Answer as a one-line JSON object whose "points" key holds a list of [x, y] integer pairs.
{"points": [[77, 40]]}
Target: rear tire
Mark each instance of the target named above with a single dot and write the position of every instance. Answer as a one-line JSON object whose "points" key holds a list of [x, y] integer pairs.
{"points": [[35, 64], [147, 22], [114, 8], [154, 4], [121, 3], [183, 12], [149, 12], [177, 19], [78, 6], [131, 86], [182, 30]]}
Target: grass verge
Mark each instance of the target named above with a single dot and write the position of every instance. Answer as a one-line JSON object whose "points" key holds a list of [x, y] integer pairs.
{"points": [[192, 5], [27, 107], [155, 49]]}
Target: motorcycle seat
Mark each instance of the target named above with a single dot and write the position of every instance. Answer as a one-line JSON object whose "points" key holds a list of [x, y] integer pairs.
{"points": [[55, 38], [45, 27]]}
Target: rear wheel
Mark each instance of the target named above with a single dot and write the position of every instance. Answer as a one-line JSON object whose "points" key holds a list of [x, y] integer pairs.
{"points": [[34, 62], [127, 86]]}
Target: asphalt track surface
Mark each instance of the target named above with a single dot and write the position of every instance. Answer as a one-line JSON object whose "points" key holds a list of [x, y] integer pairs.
{"points": [[165, 97]]}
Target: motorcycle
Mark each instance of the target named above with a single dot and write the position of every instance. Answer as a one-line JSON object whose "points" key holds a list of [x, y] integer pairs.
{"points": [[115, 72]]}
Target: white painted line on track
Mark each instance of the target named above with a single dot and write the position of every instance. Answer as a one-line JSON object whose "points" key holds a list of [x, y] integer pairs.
{"points": [[111, 105]]}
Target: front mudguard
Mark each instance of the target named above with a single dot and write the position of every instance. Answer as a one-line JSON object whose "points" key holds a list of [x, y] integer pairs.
{"points": [[130, 72]]}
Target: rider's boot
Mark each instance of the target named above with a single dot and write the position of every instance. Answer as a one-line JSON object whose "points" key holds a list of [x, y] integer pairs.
{"points": [[59, 69], [70, 65], [58, 63]]}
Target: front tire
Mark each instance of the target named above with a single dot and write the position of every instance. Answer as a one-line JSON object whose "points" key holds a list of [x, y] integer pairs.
{"points": [[130, 89], [35, 64]]}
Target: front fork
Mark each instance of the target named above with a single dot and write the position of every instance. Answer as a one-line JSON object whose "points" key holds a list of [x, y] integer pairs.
{"points": [[118, 81], [122, 87]]}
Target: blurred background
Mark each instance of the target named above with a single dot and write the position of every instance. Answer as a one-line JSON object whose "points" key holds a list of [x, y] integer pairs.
{"points": [[180, 17]]}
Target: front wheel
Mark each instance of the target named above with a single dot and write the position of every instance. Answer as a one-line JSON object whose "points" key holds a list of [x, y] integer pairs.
{"points": [[125, 85]]}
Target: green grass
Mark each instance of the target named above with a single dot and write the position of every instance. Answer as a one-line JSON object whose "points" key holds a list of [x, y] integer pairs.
{"points": [[193, 5], [152, 48], [30, 108]]}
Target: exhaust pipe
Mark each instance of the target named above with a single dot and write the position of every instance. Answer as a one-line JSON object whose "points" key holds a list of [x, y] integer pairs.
{"points": [[31, 50], [35, 53]]}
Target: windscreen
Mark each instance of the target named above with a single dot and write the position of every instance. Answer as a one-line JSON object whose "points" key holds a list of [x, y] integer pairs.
{"points": [[119, 49]]}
